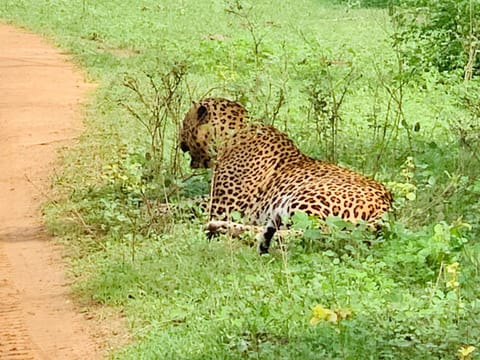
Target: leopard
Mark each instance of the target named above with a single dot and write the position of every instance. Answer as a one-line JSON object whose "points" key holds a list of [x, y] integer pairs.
{"points": [[259, 173]]}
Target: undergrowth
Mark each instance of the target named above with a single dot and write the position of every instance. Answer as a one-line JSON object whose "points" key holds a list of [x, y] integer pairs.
{"points": [[341, 80]]}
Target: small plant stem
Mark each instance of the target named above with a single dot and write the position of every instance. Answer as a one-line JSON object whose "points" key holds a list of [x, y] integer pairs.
{"points": [[284, 251]]}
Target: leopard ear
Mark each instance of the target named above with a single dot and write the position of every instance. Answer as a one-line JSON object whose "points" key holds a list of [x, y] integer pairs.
{"points": [[202, 114]]}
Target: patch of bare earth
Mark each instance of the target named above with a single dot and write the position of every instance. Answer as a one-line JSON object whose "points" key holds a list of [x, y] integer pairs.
{"points": [[40, 98]]}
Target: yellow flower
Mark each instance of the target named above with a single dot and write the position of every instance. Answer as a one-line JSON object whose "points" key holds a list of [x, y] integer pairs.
{"points": [[332, 316], [452, 273], [453, 284], [320, 314], [452, 268], [465, 351]]}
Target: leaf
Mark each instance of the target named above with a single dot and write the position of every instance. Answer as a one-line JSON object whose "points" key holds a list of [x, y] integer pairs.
{"points": [[312, 234], [330, 253], [411, 196], [236, 216], [301, 221]]}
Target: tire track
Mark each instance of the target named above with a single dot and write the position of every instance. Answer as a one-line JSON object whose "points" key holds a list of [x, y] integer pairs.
{"points": [[14, 338]]}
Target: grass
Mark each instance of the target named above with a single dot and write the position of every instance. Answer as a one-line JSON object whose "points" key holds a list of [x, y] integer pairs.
{"points": [[187, 297]]}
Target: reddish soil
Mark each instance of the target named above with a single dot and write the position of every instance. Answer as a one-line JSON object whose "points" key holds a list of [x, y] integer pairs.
{"points": [[40, 98]]}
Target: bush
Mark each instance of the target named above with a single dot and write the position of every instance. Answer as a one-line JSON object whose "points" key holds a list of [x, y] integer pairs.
{"points": [[440, 34]]}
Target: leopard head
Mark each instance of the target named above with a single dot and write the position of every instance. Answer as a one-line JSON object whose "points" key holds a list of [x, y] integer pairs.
{"points": [[207, 126]]}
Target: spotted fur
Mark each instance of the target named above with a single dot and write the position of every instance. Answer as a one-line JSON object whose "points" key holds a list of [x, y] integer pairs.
{"points": [[259, 172]]}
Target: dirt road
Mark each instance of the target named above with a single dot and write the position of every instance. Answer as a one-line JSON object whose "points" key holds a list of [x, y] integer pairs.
{"points": [[40, 94]]}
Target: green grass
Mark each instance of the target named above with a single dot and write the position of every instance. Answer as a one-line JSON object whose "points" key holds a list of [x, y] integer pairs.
{"points": [[187, 297]]}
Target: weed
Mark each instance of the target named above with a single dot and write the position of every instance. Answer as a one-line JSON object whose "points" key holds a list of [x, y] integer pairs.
{"points": [[327, 83], [158, 107]]}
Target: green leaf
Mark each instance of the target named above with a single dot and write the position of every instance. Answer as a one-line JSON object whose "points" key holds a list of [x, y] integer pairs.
{"points": [[411, 196]]}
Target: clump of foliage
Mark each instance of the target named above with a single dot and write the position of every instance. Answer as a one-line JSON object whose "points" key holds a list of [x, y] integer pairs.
{"points": [[156, 103], [441, 34], [327, 82]]}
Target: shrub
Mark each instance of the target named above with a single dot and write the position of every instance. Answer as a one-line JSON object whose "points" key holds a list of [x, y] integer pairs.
{"points": [[440, 34]]}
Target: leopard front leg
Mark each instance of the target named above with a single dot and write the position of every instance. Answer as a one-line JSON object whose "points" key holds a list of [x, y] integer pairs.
{"points": [[233, 229]]}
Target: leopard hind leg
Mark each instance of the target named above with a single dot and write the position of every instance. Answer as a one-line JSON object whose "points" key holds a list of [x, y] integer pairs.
{"points": [[265, 238]]}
